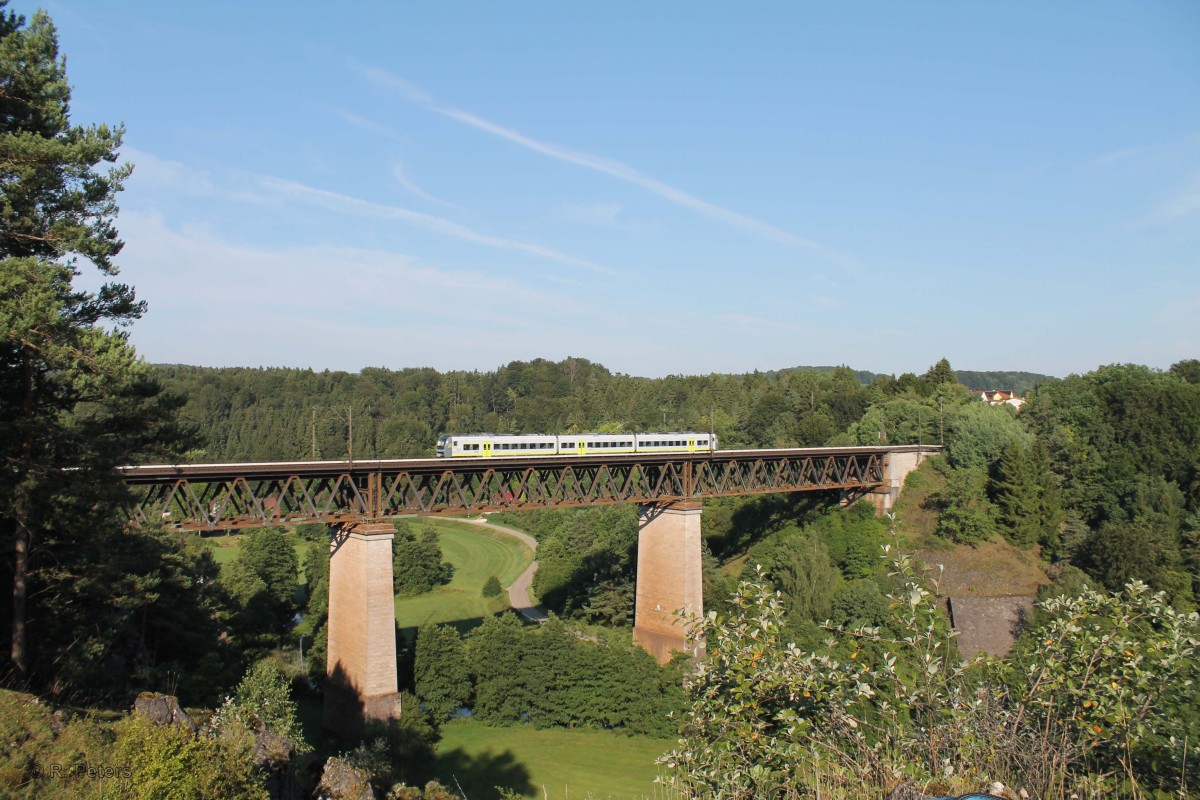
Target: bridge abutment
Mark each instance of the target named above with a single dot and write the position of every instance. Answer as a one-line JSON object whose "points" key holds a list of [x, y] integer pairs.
{"points": [[669, 577], [360, 666], [896, 466]]}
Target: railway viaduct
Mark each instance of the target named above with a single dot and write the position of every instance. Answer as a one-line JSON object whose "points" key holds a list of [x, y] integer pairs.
{"points": [[357, 498]]}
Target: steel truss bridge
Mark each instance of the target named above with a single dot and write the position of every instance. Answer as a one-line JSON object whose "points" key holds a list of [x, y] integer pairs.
{"points": [[215, 497]]}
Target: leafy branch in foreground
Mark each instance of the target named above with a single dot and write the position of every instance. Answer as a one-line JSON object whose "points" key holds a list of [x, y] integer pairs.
{"points": [[1086, 708]]}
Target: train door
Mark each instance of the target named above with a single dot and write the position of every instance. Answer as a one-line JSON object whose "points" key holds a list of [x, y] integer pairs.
{"points": [[581, 447], [691, 445], [487, 449]]}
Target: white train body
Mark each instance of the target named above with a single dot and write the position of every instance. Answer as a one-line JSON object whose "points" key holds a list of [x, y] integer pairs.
{"points": [[492, 445]]}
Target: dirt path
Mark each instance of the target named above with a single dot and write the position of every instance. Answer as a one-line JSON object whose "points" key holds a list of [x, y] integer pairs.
{"points": [[521, 589]]}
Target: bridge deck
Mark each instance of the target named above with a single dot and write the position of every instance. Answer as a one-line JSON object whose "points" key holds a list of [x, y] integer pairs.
{"points": [[228, 496]]}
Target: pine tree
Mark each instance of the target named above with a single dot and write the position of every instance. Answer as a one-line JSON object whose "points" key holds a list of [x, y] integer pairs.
{"points": [[1016, 496], [75, 399], [939, 374], [1026, 496]]}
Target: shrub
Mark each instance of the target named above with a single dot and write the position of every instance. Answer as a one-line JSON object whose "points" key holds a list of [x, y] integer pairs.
{"points": [[1097, 704]]}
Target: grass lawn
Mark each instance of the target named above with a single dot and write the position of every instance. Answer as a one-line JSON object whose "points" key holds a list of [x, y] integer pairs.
{"points": [[476, 554], [556, 764]]}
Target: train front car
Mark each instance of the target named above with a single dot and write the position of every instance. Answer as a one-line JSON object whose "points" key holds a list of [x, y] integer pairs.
{"points": [[441, 450]]}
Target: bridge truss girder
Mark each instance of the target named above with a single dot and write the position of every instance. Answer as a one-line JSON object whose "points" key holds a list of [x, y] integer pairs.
{"points": [[225, 497]]}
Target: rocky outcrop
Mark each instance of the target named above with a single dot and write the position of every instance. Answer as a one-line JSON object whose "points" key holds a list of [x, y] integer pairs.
{"points": [[163, 709], [341, 781], [274, 757]]}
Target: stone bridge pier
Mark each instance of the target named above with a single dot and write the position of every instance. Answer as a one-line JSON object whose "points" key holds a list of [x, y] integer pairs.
{"points": [[360, 666], [669, 577]]}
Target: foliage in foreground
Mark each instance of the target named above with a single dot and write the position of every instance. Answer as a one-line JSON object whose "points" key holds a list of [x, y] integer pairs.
{"points": [[58, 755], [1090, 707]]}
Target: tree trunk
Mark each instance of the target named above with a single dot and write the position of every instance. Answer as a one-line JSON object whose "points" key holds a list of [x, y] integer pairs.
{"points": [[20, 652], [21, 537]]}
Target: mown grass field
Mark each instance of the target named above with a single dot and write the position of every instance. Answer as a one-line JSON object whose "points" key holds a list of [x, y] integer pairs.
{"points": [[476, 553], [555, 764]]}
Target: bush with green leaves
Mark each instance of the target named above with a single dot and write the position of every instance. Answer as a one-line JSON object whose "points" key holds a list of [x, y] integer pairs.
{"points": [[967, 517], [398, 753], [263, 696], [171, 761], [1095, 705], [440, 673]]}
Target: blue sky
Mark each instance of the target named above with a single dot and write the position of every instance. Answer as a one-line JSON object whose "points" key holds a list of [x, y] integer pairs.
{"points": [[660, 187]]}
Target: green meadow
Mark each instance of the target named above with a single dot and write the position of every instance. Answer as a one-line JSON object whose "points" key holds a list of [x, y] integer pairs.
{"points": [[555, 764], [476, 553]]}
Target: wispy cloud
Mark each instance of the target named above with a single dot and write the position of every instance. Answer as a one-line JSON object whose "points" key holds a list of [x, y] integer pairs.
{"points": [[398, 171], [610, 167], [1184, 203], [401, 176], [156, 174], [368, 125], [601, 214], [1116, 157], [342, 203], [760, 326]]}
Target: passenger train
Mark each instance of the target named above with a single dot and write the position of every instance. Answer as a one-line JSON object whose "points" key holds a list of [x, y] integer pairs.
{"points": [[489, 445]]}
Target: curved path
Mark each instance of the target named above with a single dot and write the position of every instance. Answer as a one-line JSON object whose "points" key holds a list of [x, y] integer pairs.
{"points": [[520, 590]]}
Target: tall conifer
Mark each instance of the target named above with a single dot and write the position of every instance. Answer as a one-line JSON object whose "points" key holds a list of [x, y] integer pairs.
{"points": [[74, 397]]}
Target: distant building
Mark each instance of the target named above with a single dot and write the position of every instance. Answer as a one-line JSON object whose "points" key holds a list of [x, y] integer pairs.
{"points": [[999, 397]]}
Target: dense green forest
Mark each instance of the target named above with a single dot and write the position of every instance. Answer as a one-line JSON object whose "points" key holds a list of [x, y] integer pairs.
{"points": [[284, 414], [1019, 382]]}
